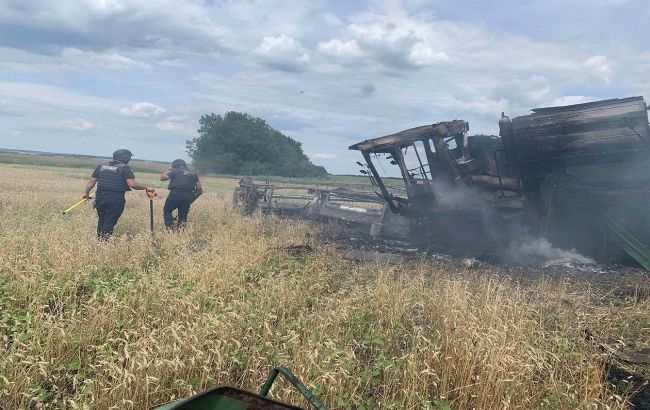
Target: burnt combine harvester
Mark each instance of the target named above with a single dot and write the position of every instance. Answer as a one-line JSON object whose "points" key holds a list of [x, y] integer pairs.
{"points": [[578, 175]]}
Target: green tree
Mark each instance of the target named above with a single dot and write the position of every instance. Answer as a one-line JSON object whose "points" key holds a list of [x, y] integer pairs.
{"points": [[240, 144]]}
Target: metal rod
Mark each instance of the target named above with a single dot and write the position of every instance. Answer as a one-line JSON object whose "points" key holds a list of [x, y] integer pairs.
{"points": [[306, 393], [424, 172], [151, 214], [382, 187], [78, 203], [431, 159]]}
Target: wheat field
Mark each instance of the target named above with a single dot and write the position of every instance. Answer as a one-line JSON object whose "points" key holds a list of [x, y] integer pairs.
{"points": [[140, 321]]}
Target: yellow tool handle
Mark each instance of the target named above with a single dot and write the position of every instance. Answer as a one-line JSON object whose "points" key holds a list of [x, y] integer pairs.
{"points": [[78, 203]]}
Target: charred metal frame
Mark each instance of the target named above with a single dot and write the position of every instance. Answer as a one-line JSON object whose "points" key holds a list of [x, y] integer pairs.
{"points": [[311, 202], [516, 174], [440, 159]]}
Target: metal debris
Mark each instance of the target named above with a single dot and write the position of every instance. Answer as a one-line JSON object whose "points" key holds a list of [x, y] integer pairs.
{"points": [[373, 256], [320, 203], [471, 263]]}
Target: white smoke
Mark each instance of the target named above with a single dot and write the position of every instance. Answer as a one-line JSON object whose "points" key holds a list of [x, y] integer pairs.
{"points": [[523, 249], [540, 252]]}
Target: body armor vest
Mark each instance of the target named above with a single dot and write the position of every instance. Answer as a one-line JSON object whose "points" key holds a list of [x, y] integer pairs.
{"points": [[111, 177], [183, 180]]}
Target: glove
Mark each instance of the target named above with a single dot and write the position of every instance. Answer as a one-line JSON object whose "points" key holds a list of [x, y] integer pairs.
{"points": [[196, 194]]}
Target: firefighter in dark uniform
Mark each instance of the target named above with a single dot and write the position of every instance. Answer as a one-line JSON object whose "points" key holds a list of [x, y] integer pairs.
{"points": [[113, 180], [184, 188]]}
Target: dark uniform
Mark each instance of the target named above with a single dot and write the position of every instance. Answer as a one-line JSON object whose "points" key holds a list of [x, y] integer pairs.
{"points": [[182, 192], [109, 201]]}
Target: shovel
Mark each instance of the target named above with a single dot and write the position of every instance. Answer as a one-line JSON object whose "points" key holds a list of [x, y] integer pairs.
{"points": [[151, 194]]}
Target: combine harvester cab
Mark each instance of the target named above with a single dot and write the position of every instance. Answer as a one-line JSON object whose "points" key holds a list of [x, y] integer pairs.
{"points": [[577, 174], [455, 185]]}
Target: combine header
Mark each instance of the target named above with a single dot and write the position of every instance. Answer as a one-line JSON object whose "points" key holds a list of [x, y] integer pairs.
{"points": [[351, 206]]}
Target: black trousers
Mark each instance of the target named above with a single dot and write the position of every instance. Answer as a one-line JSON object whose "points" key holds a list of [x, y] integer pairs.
{"points": [[109, 209], [181, 200]]}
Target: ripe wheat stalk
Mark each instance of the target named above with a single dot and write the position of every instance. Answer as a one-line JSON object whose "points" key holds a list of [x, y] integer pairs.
{"points": [[139, 321]]}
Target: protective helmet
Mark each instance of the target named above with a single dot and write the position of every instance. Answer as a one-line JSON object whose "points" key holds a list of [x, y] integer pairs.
{"points": [[123, 155], [179, 163]]}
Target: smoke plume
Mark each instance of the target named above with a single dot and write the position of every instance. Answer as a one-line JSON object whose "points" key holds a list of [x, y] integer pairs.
{"points": [[540, 252]]}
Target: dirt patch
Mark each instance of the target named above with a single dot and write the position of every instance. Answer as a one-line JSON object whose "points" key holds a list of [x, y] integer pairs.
{"points": [[614, 282]]}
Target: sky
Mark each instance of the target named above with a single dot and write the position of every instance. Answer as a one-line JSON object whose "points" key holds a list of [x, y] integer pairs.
{"points": [[91, 76]]}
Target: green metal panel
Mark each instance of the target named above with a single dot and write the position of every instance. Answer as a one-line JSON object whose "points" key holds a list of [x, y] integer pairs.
{"points": [[206, 403], [628, 242], [229, 398], [226, 398]]}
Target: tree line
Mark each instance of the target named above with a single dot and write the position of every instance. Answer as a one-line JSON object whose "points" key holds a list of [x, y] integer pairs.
{"points": [[240, 144]]}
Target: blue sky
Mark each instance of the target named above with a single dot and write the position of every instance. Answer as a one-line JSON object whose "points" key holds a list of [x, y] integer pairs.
{"points": [[90, 76]]}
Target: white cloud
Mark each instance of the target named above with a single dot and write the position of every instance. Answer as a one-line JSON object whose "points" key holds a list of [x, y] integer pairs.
{"points": [[282, 52], [273, 45], [398, 40], [142, 109], [422, 54], [539, 94], [322, 155], [170, 126], [42, 94], [600, 67], [76, 124], [401, 41], [176, 26], [111, 61], [478, 105], [175, 123], [340, 48], [571, 99]]}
